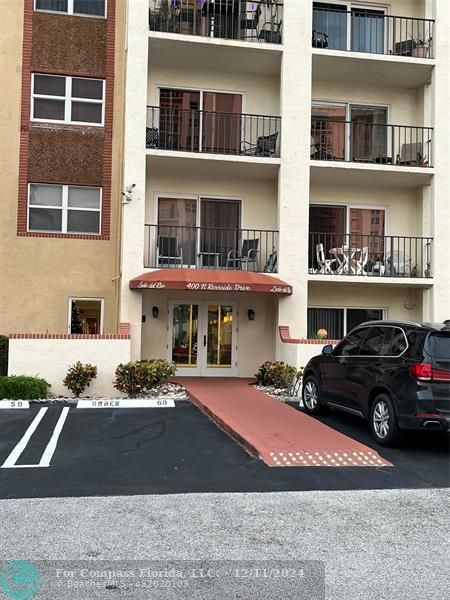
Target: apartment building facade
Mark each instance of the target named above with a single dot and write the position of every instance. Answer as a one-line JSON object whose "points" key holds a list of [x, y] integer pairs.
{"points": [[61, 99], [280, 173], [298, 144]]}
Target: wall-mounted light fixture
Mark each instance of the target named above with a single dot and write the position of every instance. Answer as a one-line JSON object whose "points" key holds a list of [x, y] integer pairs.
{"points": [[251, 314], [155, 312]]}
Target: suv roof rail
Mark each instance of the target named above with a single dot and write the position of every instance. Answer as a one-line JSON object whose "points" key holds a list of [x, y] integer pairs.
{"points": [[391, 322]]}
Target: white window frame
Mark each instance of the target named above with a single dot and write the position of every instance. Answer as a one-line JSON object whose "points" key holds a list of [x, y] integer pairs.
{"points": [[348, 105], [67, 99], [361, 5], [76, 298], [70, 11], [348, 206], [65, 209], [384, 310]]}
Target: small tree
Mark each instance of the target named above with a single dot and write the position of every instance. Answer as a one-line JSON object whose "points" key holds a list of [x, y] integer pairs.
{"points": [[78, 377]]}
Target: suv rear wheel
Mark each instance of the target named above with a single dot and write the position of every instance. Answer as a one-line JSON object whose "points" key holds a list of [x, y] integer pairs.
{"points": [[311, 396], [383, 421]]}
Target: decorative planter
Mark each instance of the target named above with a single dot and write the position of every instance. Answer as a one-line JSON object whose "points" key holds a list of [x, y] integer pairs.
{"points": [[420, 51]]}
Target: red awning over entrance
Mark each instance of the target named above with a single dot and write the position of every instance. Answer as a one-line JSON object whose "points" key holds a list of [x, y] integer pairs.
{"points": [[198, 280]]}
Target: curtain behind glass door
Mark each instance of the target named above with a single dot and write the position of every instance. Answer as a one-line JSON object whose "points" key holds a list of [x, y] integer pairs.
{"points": [[222, 123], [331, 20], [179, 120], [368, 30], [368, 133], [220, 222]]}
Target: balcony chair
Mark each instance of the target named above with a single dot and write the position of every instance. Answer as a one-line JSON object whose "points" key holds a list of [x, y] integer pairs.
{"points": [[272, 33], [411, 154], [398, 264], [324, 264], [266, 145], [250, 24], [152, 137], [319, 39], [168, 252], [272, 263], [247, 256]]}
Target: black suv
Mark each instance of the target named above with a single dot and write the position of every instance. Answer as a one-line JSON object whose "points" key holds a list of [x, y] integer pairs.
{"points": [[396, 374]]}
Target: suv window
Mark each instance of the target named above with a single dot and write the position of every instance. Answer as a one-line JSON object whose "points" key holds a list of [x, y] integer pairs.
{"points": [[351, 345], [437, 345], [398, 343], [377, 342]]}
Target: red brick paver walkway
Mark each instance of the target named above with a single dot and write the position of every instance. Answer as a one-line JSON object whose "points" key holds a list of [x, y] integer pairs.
{"points": [[280, 435]]}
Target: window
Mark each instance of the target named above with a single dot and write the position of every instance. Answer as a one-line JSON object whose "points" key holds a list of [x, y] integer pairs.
{"points": [[352, 344], [92, 8], [338, 321], [67, 99], [85, 316], [398, 343], [377, 342], [64, 209]]}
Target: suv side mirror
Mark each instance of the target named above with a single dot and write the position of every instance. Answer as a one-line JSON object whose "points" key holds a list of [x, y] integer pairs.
{"points": [[327, 350]]}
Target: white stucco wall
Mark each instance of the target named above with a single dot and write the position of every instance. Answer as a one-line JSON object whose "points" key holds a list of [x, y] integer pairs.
{"points": [[51, 358]]}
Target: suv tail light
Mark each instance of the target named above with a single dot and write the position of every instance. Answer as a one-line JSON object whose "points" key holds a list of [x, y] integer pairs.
{"points": [[426, 372]]}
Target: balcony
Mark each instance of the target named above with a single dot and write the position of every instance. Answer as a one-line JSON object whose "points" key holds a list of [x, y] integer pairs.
{"points": [[174, 246], [400, 146], [372, 31], [257, 21], [200, 131], [369, 256]]}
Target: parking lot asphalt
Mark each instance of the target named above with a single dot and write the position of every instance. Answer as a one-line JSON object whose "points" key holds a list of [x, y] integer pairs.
{"points": [[103, 452]]}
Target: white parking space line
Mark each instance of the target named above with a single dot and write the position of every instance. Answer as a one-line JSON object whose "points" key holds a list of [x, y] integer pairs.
{"points": [[10, 462], [51, 446], [12, 458]]}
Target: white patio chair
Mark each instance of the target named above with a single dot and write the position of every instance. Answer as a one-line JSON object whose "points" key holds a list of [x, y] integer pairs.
{"points": [[324, 264]]}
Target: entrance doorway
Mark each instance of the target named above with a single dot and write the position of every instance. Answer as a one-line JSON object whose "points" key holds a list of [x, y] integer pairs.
{"points": [[202, 338]]}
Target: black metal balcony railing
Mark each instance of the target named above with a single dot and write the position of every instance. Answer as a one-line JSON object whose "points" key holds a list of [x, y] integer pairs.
{"points": [[175, 246], [250, 21], [369, 30], [371, 143], [213, 132], [369, 255]]}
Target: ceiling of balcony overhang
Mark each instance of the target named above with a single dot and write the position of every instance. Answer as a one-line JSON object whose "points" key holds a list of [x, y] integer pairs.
{"points": [[223, 55], [386, 71]]}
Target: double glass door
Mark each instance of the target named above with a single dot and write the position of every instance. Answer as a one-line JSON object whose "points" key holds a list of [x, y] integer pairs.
{"points": [[203, 338]]}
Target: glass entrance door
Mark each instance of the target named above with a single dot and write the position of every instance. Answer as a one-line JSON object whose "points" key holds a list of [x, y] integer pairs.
{"points": [[203, 338]]}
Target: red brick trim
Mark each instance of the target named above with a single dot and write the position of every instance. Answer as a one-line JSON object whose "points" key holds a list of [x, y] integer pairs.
{"points": [[124, 328], [109, 108], [66, 336], [286, 338], [25, 115], [25, 123], [71, 236]]}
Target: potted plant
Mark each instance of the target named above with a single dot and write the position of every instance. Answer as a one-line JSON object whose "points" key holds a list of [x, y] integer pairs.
{"points": [[421, 47]]}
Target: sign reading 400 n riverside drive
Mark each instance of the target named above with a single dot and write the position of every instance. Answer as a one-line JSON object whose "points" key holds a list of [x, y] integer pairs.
{"points": [[214, 286]]}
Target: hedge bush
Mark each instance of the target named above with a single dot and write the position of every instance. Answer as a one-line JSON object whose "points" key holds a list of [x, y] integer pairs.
{"points": [[4, 346], [22, 387], [137, 378], [277, 374], [78, 377]]}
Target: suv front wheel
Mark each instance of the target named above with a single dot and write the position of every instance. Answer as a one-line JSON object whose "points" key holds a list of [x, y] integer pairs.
{"points": [[383, 421]]}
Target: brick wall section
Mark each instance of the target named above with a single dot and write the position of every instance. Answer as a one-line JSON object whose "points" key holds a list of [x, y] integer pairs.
{"points": [[31, 159], [66, 336]]}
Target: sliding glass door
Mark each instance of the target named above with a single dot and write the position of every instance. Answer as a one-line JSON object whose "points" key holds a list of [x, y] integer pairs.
{"points": [[368, 30], [369, 137], [200, 121]]}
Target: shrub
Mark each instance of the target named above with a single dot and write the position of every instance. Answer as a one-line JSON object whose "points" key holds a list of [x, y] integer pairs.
{"points": [[279, 375], [22, 387], [137, 378], [4, 344], [78, 377]]}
